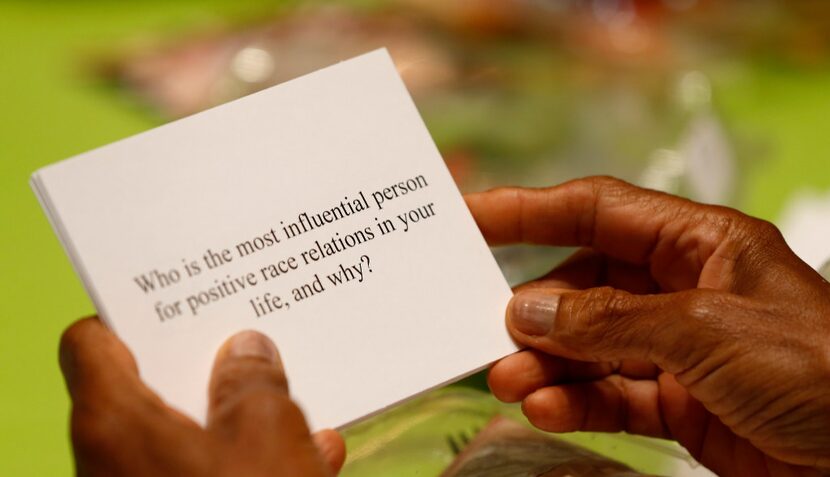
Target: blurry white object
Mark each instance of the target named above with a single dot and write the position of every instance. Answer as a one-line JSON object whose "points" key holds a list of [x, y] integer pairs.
{"points": [[710, 165], [664, 171], [694, 91], [253, 65], [706, 155], [805, 223]]}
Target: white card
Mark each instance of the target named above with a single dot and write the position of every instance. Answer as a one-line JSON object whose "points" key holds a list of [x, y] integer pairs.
{"points": [[424, 301]]}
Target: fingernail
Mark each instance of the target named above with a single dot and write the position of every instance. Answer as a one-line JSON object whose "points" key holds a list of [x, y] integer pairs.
{"points": [[533, 312], [252, 344]]}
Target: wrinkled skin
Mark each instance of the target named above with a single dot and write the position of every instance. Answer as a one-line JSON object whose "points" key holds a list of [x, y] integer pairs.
{"points": [[120, 427], [675, 320]]}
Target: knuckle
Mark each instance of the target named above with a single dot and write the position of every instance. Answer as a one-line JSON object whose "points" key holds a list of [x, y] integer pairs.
{"points": [[763, 231], [721, 220], [696, 308], [267, 404], [716, 224], [240, 377], [764, 227], [252, 390], [724, 225], [702, 312], [584, 196], [223, 385], [748, 229], [595, 187], [593, 312], [611, 187], [603, 182], [706, 322]]}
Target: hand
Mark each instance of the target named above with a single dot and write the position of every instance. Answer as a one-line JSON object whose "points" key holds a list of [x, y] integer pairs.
{"points": [[120, 427], [678, 320]]}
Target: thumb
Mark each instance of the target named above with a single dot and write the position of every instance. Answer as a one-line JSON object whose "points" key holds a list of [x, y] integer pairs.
{"points": [[672, 330], [249, 405]]}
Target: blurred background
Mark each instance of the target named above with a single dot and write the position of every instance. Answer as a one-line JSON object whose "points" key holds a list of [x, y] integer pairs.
{"points": [[721, 101]]}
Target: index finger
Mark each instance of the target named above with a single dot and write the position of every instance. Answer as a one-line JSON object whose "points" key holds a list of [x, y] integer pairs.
{"points": [[94, 361], [621, 220], [111, 406]]}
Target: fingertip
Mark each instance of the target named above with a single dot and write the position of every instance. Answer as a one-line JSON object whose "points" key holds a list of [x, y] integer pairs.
{"points": [[72, 338], [494, 213], [512, 378], [500, 383], [88, 349], [249, 344], [535, 411], [473, 201], [477, 204], [77, 334], [471, 198], [332, 448], [248, 383], [549, 410], [531, 313]]}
